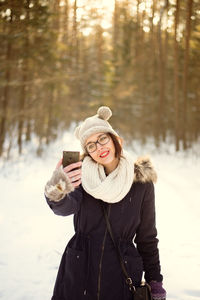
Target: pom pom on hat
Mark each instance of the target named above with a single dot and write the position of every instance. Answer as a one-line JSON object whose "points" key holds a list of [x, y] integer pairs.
{"points": [[95, 124], [104, 113]]}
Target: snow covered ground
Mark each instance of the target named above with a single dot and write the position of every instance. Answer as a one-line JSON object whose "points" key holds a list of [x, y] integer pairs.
{"points": [[33, 238]]}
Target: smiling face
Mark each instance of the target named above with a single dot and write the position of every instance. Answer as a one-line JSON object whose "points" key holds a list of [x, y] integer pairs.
{"points": [[104, 154]]}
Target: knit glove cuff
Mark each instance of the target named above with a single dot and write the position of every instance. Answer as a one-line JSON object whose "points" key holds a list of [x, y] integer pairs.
{"points": [[58, 186], [157, 291]]}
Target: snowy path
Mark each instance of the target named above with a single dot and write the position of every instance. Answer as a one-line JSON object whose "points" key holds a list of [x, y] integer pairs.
{"points": [[33, 238]]}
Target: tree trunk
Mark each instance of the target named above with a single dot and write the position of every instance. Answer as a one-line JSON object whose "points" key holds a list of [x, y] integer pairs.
{"points": [[185, 72], [66, 23], [161, 73], [115, 41], [176, 75], [153, 52], [6, 93], [24, 87], [137, 40], [75, 37]]}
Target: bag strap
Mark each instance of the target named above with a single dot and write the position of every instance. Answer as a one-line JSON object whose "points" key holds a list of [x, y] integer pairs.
{"points": [[127, 277]]}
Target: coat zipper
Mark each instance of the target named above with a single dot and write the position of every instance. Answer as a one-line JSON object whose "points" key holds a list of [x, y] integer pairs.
{"points": [[101, 259]]}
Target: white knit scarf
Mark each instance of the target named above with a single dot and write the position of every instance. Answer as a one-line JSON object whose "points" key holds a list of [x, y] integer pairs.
{"points": [[112, 188]]}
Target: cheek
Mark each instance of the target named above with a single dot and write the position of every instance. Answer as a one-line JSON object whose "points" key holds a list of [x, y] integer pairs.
{"points": [[94, 156], [113, 148]]}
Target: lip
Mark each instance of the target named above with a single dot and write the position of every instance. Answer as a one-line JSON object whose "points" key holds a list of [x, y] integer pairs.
{"points": [[102, 153]]}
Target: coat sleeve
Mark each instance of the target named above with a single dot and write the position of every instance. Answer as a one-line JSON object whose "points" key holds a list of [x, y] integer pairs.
{"points": [[146, 236], [70, 204]]}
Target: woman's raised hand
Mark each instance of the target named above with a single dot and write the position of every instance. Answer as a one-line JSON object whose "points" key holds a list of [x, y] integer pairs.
{"points": [[73, 175]]}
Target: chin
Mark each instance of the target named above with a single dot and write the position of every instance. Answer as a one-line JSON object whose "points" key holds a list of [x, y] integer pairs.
{"points": [[107, 161]]}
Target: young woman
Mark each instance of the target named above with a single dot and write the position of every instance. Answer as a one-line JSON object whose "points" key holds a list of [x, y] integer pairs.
{"points": [[90, 267]]}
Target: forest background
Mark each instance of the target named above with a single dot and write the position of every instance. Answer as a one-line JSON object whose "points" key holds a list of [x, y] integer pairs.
{"points": [[61, 59]]}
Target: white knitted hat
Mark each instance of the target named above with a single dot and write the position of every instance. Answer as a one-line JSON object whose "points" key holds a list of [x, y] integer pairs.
{"points": [[95, 124]]}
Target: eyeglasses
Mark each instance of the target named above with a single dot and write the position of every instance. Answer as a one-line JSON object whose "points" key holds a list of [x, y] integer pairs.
{"points": [[102, 140]]}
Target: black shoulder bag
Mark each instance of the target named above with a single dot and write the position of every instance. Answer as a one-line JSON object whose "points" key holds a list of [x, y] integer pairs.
{"points": [[143, 292]]}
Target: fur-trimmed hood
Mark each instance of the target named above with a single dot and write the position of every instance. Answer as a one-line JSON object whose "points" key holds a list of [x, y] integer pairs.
{"points": [[144, 170]]}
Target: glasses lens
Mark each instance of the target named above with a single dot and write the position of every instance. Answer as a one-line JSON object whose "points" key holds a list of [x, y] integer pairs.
{"points": [[103, 139], [91, 147]]}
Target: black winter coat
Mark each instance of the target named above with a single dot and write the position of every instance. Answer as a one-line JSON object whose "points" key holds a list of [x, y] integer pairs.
{"points": [[90, 268]]}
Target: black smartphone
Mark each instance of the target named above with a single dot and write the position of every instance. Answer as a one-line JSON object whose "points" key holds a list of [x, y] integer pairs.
{"points": [[70, 157]]}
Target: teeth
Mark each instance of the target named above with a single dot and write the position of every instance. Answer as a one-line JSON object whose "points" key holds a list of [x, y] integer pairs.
{"points": [[102, 155]]}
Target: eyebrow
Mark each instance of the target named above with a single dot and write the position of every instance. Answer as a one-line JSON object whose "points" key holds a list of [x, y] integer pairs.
{"points": [[96, 140]]}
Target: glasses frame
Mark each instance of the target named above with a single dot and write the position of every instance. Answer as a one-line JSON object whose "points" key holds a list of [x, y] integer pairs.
{"points": [[97, 142]]}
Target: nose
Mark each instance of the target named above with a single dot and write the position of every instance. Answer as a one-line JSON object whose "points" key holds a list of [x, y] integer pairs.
{"points": [[99, 146]]}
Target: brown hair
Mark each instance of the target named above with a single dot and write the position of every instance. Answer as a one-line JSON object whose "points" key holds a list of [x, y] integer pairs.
{"points": [[117, 144]]}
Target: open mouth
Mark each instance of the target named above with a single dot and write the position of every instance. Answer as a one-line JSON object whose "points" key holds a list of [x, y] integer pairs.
{"points": [[104, 154]]}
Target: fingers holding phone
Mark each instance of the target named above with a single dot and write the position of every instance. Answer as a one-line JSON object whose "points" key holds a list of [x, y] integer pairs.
{"points": [[72, 166], [73, 171]]}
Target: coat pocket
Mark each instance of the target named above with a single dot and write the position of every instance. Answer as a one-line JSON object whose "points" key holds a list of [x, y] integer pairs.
{"points": [[134, 267], [70, 282], [75, 272], [134, 264]]}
